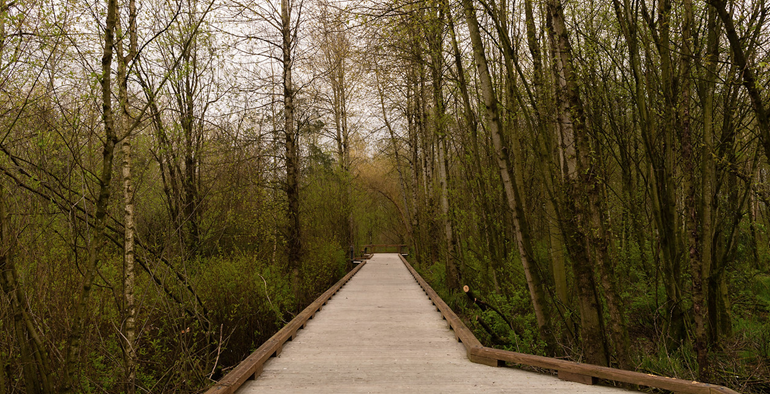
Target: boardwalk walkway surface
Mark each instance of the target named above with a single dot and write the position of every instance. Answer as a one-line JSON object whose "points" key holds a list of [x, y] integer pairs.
{"points": [[381, 334]]}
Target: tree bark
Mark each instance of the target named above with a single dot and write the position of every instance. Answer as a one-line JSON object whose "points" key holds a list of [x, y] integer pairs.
{"points": [[129, 268], [546, 162], [472, 151], [292, 149], [695, 228], [491, 112], [97, 241], [583, 226], [439, 126], [658, 143]]}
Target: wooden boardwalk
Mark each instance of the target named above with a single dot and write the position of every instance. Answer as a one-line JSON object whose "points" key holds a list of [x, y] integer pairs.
{"points": [[381, 334]]}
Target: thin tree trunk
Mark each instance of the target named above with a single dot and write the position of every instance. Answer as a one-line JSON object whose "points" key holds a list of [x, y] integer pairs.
{"points": [[472, 150], [512, 194], [661, 158], [97, 242], [452, 273], [753, 87], [129, 269], [407, 219], [417, 222], [439, 120], [695, 230], [546, 163], [292, 149]]}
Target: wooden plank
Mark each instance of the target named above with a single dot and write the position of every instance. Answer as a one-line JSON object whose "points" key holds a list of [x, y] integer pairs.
{"points": [[252, 365], [257, 372], [372, 248], [462, 332], [618, 375], [575, 377]]}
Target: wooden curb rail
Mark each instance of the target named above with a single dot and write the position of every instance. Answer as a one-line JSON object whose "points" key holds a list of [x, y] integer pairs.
{"points": [[251, 367], [567, 370], [373, 248]]}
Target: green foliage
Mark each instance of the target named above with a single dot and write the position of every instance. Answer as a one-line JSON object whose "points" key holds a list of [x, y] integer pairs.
{"points": [[323, 267], [520, 336], [679, 363]]}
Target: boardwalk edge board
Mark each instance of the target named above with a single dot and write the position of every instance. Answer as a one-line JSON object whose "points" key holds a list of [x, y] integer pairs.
{"points": [[251, 367], [567, 370]]}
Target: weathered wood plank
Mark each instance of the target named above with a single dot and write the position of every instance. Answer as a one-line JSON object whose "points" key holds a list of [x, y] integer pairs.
{"points": [[618, 375], [574, 377], [462, 332]]}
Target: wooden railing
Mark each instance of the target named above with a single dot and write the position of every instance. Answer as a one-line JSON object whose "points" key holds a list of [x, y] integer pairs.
{"points": [[402, 249], [567, 370], [251, 367]]}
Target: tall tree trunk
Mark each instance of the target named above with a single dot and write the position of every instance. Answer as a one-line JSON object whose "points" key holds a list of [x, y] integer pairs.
{"points": [[669, 222], [292, 149], [583, 225], [546, 163], [417, 220], [658, 143], [708, 168], [129, 269], [439, 124], [472, 150], [694, 216], [97, 242], [407, 215], [491, 112], [335, 49]]}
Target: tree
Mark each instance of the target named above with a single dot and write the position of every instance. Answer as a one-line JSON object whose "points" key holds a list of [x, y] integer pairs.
{"points": [[338, 70], [129, 266], [97, 240], [511, 190], [291, 155]]}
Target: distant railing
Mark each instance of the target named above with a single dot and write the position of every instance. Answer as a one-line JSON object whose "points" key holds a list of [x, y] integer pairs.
{"points": [[402, 249], [567, 370], [251, 367]]}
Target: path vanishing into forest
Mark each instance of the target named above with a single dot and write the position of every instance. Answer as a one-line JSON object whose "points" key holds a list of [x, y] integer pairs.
{"points": [[383, 329], [381, 334]]}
